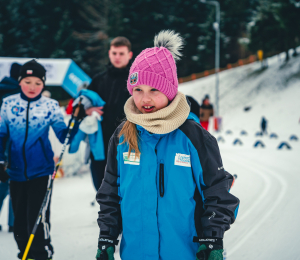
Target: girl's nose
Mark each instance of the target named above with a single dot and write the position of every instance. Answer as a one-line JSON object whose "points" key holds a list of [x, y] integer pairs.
{"points": [[146, 98]]}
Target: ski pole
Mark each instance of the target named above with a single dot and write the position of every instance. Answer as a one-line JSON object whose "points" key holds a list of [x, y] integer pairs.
{"points": [[49, 189]]}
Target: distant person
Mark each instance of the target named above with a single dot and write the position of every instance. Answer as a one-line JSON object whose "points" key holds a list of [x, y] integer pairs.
{"points": [[110, 85], [206, 111], [263, 125], [195, 108], [10, 85]]}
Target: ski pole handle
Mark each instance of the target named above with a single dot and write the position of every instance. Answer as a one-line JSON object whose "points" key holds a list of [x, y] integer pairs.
{"points": [[77, 109]]}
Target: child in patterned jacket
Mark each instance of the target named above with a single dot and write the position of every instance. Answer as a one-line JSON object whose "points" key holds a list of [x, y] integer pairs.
{"points": [[24, 127]]}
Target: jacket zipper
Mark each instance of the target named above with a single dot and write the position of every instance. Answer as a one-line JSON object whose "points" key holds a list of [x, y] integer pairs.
{"points": [[161, 180], [26, 135]]}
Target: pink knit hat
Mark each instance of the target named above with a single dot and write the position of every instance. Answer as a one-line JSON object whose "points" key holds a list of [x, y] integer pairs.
{"points": [[156, 66]]}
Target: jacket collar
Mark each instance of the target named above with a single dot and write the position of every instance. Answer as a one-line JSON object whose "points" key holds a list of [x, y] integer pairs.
{"points": [[24, 97], [163, 121], [124, 72]]}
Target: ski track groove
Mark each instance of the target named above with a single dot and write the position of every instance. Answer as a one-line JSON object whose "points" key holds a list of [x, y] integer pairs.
{"points": [[270, 210], [261, 197]]}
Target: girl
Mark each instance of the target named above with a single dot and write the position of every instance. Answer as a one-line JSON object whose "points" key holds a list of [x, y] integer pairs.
{"points": [[165, 187], [25, 122]]}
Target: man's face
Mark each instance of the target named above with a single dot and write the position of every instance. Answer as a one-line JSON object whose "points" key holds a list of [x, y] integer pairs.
{"points": [[119, 56]]}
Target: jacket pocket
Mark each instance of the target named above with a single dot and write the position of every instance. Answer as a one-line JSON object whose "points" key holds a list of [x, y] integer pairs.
{"points": [[44, 150]]}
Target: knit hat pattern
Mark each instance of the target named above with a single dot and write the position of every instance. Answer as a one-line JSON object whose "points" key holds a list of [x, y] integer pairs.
{"points": [[156, 66], [32, 69]]}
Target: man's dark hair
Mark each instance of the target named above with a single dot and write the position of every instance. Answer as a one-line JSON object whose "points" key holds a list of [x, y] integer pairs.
{"points": [[121, 41], [15, 70]]}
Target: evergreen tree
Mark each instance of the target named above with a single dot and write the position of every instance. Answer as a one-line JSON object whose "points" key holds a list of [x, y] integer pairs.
{"points": [[55, 29], [142, 19], [276, 27]]}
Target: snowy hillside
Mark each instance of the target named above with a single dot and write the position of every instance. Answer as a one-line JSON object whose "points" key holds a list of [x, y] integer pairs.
{"points": [[268, 179], [273, 93]]}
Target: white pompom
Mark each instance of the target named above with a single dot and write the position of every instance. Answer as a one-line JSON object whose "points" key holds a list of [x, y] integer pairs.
{"points": [[171, 41]]}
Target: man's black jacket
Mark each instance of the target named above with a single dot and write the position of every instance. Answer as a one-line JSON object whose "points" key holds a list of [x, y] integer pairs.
{"points": [[111, 86], [8, 86]]}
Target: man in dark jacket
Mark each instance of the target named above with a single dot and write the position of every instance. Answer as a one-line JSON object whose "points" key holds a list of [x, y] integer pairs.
{"points": [[111, 87], [264, 126], [10, 85]]}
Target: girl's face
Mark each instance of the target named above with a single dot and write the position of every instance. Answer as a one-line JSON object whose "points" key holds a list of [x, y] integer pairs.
{"points": [[31, 86], [148, 99]]}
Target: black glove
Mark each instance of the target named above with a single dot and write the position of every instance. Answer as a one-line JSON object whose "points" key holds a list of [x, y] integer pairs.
{"points": [[81, 113], [3, 174], [106, 249], [210, 248]]}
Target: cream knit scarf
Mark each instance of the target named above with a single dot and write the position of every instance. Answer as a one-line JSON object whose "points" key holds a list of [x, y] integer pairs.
{"points": [[162, 121]]}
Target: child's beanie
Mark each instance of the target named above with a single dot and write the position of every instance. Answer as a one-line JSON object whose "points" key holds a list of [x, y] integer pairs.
{"points": [[156, 66], [32, 69]]}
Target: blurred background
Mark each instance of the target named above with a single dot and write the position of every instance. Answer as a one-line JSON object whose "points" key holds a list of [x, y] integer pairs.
{"points": [[82, 29], [258, 79]]}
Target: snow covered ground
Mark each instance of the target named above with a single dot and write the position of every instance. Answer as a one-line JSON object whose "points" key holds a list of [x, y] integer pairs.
{"points": [[268, 179]]}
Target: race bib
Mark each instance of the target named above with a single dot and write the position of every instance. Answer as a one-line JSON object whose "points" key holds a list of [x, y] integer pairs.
{"points": [[182, 160], [131, 159]]}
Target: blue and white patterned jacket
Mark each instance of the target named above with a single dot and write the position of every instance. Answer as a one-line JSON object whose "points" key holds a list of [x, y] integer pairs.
{"points": [[25, 126]]}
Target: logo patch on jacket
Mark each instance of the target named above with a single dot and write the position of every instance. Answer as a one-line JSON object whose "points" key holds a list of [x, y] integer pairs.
{"points": [[134, 78], [183, 160], [131, 160], [16, 110]]}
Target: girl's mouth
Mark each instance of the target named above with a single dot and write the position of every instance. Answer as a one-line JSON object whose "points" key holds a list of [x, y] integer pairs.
{"points": [[148, 108]]}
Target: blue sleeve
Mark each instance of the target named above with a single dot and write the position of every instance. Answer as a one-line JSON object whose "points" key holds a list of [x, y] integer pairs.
{"points": [[4, 133], [59, 126]]}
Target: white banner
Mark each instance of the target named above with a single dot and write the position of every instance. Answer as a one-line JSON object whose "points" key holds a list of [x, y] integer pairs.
{"points": [[56, 68]]}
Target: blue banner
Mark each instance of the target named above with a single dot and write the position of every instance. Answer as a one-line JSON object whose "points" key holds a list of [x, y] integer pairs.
{"points": [[74, 79]]}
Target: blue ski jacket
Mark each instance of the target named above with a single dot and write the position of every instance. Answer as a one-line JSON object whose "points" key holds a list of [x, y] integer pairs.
{"points": [[95, 139], [177, 190], [25, 126]]}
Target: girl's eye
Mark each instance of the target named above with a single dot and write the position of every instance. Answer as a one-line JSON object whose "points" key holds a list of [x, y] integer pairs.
{"points": [[27, 82], [153, 89], [137, 89], [38, 84]]}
